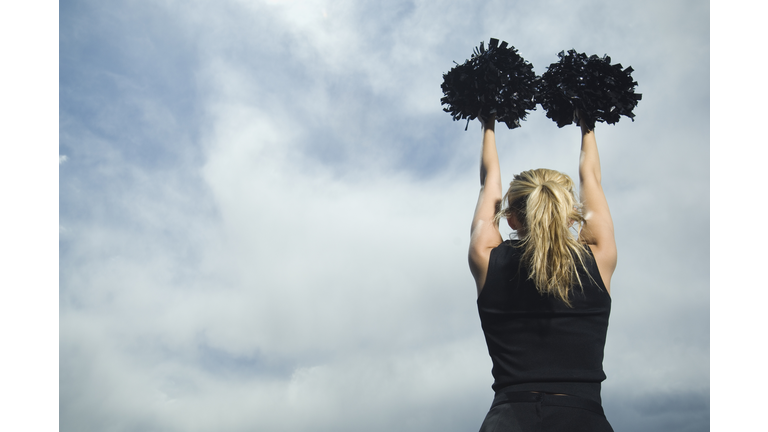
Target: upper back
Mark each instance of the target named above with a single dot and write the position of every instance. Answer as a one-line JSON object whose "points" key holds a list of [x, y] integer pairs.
{"points": [[533, 337]]}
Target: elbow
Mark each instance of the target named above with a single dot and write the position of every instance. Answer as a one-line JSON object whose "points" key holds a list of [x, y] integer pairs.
{"points": [[590, 176]]}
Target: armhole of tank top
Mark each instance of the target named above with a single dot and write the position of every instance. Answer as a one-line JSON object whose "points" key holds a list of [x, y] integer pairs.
{"points": [[491, 262], [593, 265]]}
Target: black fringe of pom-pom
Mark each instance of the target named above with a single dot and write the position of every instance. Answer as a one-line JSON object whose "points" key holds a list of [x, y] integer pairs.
{"points": [[601, 92], [496, 81]]}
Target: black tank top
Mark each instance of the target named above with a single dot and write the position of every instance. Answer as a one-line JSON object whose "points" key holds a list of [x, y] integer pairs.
{"points": [[536, 342]]}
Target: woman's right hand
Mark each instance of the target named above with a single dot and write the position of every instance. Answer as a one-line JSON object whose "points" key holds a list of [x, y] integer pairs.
{"points": [[581, 120], [489, 123]]}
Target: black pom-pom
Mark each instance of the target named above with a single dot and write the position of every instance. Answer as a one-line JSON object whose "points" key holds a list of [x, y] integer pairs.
{"points": [[601, 92], [494, 81]]}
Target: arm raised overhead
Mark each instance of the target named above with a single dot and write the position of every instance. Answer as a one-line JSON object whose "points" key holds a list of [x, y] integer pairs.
{"points": [[484, 233], [597, 231]]}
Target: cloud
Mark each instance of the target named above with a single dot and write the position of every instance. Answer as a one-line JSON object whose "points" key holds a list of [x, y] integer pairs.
{"points": [[267, 228], [679, 410]]}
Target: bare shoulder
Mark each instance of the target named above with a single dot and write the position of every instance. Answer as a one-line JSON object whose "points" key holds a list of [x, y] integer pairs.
{"points": [[606, 259], [484, 238]]}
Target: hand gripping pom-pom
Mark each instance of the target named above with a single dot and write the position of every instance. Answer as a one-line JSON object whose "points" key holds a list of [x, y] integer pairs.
{"points": [[494, 81], [599, 91]]}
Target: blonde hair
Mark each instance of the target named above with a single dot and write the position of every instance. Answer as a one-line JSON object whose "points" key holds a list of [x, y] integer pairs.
{"points": [[544, 203]]}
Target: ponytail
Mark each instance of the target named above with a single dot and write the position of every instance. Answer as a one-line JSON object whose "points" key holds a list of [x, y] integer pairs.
{"points": [[545, 205]]}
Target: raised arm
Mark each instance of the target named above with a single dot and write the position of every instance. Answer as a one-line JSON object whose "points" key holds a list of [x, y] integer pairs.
{"points": [[598, 229], [484, 234]]}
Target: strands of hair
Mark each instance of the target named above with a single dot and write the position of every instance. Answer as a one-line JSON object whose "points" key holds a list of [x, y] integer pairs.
{"points": [[543, 201]]}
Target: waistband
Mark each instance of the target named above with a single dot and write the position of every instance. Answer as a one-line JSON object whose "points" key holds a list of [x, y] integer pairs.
{"points": [[547, 399], [581, 389]]}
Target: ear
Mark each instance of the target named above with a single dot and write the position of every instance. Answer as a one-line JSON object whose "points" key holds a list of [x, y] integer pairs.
{"points": [[513, 222]]}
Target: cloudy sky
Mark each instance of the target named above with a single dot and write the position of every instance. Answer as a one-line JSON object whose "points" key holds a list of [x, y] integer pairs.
{"points": [[264, 212]]}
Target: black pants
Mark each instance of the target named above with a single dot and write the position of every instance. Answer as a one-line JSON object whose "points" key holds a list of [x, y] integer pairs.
{"points": [[542, 412]]}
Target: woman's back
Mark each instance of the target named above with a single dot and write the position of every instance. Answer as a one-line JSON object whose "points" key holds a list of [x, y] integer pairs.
{"points": [[536, 341]]}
